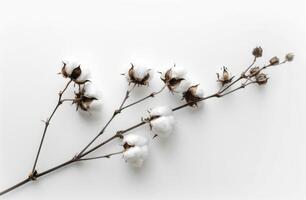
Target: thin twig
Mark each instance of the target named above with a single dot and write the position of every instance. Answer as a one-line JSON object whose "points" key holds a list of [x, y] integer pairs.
{"points": [[47, 123], [116, 112], [153, 94], [98, 157]]}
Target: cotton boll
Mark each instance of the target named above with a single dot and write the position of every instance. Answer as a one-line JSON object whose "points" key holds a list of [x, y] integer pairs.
{"points": [[175, 79], [84, 97], [136, 140], [163, 126], [161, 121], [136, 149], [75, 72], [193, 95], [161, 111], [134, 156], [139, 75]]}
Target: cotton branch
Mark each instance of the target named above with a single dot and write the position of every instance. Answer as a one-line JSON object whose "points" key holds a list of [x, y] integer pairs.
{"points": [[172, 79]]}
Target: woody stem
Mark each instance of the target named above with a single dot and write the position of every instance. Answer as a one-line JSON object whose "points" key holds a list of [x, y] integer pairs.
{"points": [[47, 123]]}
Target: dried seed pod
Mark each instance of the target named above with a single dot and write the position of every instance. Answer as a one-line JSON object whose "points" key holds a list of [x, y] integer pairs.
{"points": [[289, 57], [274, 61], [261, 79], [257, 52], [254, 71]]}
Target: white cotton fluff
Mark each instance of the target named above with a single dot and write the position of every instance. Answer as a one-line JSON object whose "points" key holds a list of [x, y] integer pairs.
{"points": [[138, 152], [91, 90], [178, 72], [199, 92], [160, 111], [163, 126], [183, 86], [141, 72], [162, 121]]}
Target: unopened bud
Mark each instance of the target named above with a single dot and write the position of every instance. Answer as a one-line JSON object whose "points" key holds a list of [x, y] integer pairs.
{"points": [[261, 79], [274, 61], [257, 52], [254, 71], [289, 57]]}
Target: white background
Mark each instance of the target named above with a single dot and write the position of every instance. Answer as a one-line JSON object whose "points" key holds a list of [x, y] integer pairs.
{"points": [[250, 145]]}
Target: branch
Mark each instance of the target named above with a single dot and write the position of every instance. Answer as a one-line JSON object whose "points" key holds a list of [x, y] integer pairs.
{"points": [[116, 112], [153, 94], [47, 123]]}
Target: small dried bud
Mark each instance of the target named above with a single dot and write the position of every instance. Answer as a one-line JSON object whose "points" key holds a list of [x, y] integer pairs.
{"points": [[261, 79], [254, 71], [193, 95], [274, 61], [138, 75], [83, 99], [257, 52], [127, 146], [289, 57], [224, 76]]}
